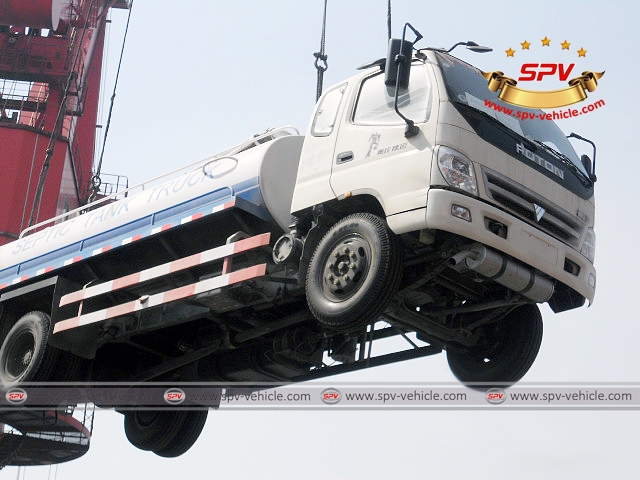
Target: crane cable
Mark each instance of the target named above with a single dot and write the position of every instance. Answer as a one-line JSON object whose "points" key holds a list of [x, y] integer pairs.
{"points": [[389, 19], [95, 180], [321, 57]]}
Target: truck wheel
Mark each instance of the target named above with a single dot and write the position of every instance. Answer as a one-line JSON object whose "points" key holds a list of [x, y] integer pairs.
{"points": [[24, 347], [153, 429], [186, 436], [353, 272], [505, 353]]}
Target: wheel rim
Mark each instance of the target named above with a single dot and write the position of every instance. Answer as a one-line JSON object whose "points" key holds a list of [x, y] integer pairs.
{"points": [[353, 273], [19, 356], [346, 267]]}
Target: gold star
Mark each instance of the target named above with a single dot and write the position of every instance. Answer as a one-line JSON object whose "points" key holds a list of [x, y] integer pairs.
{"points": [[582, 52], [565, 45], [525, 45], [546, 41], [510, 52]]}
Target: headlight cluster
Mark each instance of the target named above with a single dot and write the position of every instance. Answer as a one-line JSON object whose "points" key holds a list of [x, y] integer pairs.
{"points": [[589, 245], [457, 170]]}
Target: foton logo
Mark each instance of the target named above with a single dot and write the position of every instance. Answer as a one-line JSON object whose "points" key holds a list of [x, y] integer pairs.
{"points": [[174, 396], [495, 396], [331, 396], [16, 396]]}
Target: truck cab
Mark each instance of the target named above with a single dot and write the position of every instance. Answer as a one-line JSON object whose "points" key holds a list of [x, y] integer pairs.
{"points": [[493, 210], [513, 184]]}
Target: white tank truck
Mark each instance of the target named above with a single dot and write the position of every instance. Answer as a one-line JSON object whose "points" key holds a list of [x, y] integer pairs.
{"points": [[408, 208]]}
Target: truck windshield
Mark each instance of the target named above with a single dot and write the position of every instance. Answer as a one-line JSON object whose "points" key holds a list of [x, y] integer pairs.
{"points": [[466, 86]]}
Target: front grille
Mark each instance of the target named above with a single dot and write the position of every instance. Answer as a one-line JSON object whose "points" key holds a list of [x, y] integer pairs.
{"points": [[527, 205]]}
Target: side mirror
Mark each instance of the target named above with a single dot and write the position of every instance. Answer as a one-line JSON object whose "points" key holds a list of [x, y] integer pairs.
{"points": [[398, 69], [585, 160], [586, 163], [398, 63]]}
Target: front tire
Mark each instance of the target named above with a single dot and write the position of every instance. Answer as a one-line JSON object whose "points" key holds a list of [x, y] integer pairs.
{"points": [[353, 273], [505, 352]]}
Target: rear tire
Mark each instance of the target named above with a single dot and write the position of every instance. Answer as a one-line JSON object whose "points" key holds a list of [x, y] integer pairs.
{"points": [[505, 353], [353, 273], [23, 350], [186, 436], [153, 429]]}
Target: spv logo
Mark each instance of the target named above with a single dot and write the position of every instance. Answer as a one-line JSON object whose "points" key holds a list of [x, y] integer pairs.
{"points": [[495, 396], [16, 396], [331, 396], [537, 71], [562, 71], [174, 396]]}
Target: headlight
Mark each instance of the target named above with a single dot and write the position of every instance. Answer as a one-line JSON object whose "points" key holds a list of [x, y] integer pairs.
{"points": [[457, 170], [589, 245]]}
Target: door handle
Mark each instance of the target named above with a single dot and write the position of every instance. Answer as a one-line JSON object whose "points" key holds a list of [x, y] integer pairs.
{"points": [[344, 157]]}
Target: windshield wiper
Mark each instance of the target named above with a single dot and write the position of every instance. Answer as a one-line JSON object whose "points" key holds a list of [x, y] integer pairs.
{"points": [[587, 182]]}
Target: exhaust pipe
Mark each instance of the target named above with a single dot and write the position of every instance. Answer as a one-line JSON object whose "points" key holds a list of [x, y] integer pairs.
{"points": [[505, 271]]}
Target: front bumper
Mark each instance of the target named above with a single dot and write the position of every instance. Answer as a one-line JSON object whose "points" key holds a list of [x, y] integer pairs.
{"points": [[523, 241]]}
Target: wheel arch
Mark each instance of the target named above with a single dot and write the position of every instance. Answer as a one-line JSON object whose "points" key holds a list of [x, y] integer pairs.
{"points": [[35, 296], [368, 201], [43, 296]]}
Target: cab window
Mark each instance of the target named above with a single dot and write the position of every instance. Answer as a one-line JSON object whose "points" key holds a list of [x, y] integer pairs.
{"points": [[327, 112], [376, 100]]}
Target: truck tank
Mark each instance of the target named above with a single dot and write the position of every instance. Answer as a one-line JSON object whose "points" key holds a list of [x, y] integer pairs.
{"points": [[262, 174]]}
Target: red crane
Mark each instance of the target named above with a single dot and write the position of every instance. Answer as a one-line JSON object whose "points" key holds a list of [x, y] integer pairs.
{"points": [[50, 74]]}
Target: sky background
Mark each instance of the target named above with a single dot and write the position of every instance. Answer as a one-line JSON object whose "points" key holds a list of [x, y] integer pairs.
{"points": [[200, 76]]}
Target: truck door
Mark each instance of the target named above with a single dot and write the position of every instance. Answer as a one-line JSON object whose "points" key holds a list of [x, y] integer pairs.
{"points": [[372, 155]]}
